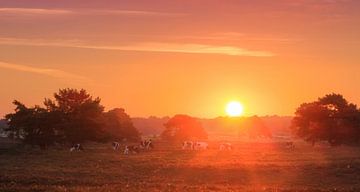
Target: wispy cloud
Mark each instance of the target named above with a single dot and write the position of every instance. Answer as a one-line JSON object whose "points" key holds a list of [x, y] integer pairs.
{"points": [[234, 36], [192, 48], [44, 71], [33, 11], [126, 12], [39, 42], [147, 46], [319, 5], [44, 12], [215, 36]]}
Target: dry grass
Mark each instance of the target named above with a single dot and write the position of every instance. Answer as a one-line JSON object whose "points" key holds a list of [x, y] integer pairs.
{"points": [[249, 167]]}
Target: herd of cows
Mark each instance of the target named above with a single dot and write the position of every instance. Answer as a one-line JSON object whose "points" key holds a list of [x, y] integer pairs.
{"points": [[198, 145], [186, 145]]}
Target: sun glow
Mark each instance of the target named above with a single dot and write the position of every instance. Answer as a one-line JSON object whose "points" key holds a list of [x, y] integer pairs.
{"points": [[234, 109]]}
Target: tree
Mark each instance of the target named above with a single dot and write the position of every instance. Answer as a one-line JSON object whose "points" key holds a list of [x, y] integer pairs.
{"points": [[183, 127], [119, 126], [255, 127], [331, 118], [74, 116], [81, 115], [34, 126], [3, 126]]}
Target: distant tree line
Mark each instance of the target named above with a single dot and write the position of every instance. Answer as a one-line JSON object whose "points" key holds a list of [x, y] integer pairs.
{"points": [[331, 118], [254, 127], [73, 116]]}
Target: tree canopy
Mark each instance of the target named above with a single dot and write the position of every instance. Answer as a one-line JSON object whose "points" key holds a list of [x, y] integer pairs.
{"points": [[119, 125], [331, 118], [35, 125], [3, 126], [183, 127], [73, 116], [254, 127], [80, 114]]}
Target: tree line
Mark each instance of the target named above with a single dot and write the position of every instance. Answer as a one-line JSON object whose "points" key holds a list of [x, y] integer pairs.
{"points": [[331, 118], [72, 116]]}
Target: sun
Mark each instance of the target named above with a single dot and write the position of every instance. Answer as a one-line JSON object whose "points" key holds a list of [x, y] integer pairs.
{"points": [[234, 109]]}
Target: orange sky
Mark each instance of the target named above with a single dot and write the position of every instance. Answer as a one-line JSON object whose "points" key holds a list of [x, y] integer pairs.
{"points": [[167, 57]]}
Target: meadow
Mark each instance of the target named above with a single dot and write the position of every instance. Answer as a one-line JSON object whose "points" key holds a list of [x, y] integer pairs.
{"points": [[250, 166]]}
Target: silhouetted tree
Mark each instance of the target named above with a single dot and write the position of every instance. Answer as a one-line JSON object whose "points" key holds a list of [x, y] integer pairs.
{"points": [[3, 126], [81, 115], [34, 126], [119, 126], [331, 118], [183, 127], [74, 116]]}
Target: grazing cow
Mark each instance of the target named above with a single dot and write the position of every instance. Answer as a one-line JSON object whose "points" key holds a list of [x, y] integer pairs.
{"points": [[115, 145], [188, 145], [149, 144], [289, 145], [225, 146], [146, 144], [200, 145], [131, 148], [76, 147]]}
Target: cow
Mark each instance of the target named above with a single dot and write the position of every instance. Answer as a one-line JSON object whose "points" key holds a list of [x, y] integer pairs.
{"points": [[146, 144], [289, 145], [115, 145], [188, 145], [76, 147], [149, 144], [131, 148], [225, 146], [200, 145]]}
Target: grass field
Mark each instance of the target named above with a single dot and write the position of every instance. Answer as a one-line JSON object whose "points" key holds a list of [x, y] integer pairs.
{"points": [[249, 167]]}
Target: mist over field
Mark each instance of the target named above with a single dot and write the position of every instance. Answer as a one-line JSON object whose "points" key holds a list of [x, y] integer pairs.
{"points": [[220, 126]]}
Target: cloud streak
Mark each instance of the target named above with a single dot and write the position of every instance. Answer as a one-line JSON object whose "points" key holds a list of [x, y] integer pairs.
{"points": [[34, 11], [191, 48], [233, 36], [127, 12], [44, 71], [145, 47], [113, 12]]}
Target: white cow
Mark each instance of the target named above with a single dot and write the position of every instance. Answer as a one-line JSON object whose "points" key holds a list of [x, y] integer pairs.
{"points": [[198, 145], [225, 146], [115, 145], [76, 147], [131, 148], [150, 144], [188, 145], [289, 145], [146, 144]]}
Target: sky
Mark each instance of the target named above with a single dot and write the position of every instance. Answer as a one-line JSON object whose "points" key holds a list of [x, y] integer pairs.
{"points": [[161, 57]]}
